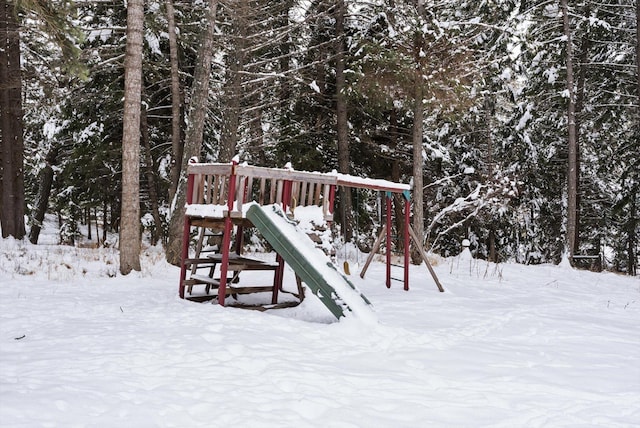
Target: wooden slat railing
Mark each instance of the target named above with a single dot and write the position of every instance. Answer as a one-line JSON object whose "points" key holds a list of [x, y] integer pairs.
{"points": [[262, 185]]}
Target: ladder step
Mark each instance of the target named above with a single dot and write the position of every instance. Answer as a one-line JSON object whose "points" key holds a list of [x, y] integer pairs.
{"points": [[202, 279]]}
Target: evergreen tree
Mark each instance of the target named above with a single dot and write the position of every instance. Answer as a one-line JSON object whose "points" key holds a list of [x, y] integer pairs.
{"points": [[50, 58], [473, 93], [12, 192]]}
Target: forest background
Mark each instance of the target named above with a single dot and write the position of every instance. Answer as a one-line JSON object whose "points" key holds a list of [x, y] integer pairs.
{"points": [[517, 122]]}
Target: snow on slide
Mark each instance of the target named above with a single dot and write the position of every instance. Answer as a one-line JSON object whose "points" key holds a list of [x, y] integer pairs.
{"points": [[315, 269]]}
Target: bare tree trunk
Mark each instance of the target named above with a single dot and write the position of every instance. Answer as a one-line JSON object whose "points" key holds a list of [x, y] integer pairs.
{"points": [[632, 266], [95, 215], [488, 115], [233, 85], [341, 119], [105, 219], [197, 110], [489, 161], [418, 170], [417, 136], [633, 263], [197, 113], [130, 209], [572, 172], [150, 172], [230, 116], [87, 216], [45, 181], [284, 61], [256, 132], [176, 101], [580, 97], [12, 206]]}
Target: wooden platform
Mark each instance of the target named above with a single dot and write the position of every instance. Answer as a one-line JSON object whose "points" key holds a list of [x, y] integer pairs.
{"points": [[237, 264]]}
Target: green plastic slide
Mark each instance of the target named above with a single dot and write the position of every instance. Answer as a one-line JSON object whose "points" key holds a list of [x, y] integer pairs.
{"points": [[315, 269]]}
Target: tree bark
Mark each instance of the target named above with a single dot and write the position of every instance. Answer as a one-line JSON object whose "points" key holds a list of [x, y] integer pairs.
{"points": [[416, 138], [45, 181], [87, 215], [579, 105], [284, 62], [233, 85], [176, 101], [105, 219], [150, 172], [197, 112], [130, 209], [489, 161], [572, 143], [12, 198], [631, 236], [256, 135], [633, 263], [341, 119]]}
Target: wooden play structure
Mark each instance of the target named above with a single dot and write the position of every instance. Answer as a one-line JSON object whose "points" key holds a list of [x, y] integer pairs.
{"points": [[224, 199]]}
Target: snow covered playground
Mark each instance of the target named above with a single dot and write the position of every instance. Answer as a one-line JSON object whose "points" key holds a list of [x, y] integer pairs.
{"points": [[223, 200]]}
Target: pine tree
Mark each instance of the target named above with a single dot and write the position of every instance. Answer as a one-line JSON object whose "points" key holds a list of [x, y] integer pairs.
{"points": [[197, 109], [12, 192], [176, 101], [130, 204], [54, 40]]}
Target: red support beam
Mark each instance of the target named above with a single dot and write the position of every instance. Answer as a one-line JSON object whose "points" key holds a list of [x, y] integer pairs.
{"points": [[407, 246], [279, 274], [277, 279], [226, 238], [332, 198], [240, 229], [388, 237], [286, 194], [185, 237]]}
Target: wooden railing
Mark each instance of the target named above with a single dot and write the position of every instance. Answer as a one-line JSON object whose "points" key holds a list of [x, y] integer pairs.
{"points": [[211, 184]]}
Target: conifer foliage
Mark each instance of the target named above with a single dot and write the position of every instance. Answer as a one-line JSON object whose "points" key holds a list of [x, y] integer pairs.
{"points": [[517, 122]]}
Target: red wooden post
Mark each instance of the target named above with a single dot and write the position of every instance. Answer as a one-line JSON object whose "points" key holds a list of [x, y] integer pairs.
{"points": [[388, 205], [240, 230], [279, 274], [286, 194], [185, 237], [277, 279], [226, 238], [332, 198], [407, 246]]}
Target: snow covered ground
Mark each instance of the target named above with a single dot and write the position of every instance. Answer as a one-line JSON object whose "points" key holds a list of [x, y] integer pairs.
{"points": [[504, 346]]}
